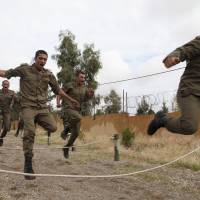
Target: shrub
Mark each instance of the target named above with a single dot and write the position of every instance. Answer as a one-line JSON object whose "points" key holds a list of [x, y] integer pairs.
{"points": [[127, 138]]}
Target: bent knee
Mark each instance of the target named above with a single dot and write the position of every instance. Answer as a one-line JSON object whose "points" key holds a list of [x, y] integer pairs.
{"points": [[189, 128], [53, 128]]}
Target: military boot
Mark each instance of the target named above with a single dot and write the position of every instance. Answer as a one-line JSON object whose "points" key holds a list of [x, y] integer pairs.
{"points": [[66, 151], [159, 121], [65, 133], [1, 141], [28, 167]]}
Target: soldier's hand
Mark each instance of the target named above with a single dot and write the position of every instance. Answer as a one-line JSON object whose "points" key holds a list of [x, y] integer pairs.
{"points": [[58, 105], [75, 103], [171, 61]]}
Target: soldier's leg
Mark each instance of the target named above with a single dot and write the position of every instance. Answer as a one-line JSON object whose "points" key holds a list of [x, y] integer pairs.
{"points": [[187, 123], [6, 126], [75, 130], [28, 116], [1, 128], [75, 120], [20, 127], [65, 133], [46, 120]]}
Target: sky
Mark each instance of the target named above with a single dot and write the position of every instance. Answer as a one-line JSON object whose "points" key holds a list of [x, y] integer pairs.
{"points": [[133, 37]]}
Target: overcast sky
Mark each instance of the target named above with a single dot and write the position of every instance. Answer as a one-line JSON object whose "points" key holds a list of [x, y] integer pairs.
{"points": [[133, 36]]}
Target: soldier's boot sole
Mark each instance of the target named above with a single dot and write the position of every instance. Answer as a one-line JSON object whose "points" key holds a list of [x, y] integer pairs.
{"points": [[66, 152], [1, 142], [156, 123]]}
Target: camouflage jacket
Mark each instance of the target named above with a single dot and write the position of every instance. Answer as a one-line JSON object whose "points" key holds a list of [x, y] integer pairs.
{"points": [[78, 93], [190, 80], [34, 85], [6, 99]]}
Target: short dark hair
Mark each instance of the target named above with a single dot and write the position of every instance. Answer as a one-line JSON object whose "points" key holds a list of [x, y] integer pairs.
{"points": [[38, 52], [79, 71], [5, 81]]}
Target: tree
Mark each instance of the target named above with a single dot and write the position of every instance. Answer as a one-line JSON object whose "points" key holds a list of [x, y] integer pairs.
{"points": [[144, 108], [69, 58], [113, 102], [90, 64]]}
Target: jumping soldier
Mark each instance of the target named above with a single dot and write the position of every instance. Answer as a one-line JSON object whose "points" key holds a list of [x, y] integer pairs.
{"points": [[34, 82], [71, 113], [188, 95]]}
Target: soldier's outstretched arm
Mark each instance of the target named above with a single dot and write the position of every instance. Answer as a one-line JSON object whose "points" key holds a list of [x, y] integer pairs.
{"points": [[2, 73], [171, 61], [185, 52], [58, 98], [63, 94]]}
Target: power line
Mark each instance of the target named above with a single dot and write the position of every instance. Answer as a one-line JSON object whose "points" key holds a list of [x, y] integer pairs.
{"points": [[144, 76]]}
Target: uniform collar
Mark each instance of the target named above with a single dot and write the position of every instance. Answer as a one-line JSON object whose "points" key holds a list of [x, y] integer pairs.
{"points": [[35, 69]]}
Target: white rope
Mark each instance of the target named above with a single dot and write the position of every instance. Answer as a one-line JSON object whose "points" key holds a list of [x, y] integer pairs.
{"points": [[47, 148], [101, 176]]}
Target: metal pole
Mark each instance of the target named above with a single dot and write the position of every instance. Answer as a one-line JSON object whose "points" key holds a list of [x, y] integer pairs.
{"points": [[116, 147], [123, 102]]}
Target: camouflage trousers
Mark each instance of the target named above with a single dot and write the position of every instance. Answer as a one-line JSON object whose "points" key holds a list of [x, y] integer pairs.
{"points": [[73, 119], [187, 123], [43, 118], [5, 123]]}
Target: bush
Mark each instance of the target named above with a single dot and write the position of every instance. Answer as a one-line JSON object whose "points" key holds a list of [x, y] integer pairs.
{"points": [[127, 138]]}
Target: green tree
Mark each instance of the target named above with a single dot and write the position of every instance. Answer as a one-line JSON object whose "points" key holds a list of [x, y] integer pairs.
{"points": [[113, 102], [144, 108], [68, 57], [91, 64]]}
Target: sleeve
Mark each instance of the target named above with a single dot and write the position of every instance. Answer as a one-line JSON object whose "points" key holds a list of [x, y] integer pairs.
{"points": [[18, 71], [187, 51], [67, 87], [54, 84]]}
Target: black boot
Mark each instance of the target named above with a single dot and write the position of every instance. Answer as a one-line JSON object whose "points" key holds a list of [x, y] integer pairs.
{"points": [[28, 167], [65, 133], [66, 151], [1, 142], [159, 121]]}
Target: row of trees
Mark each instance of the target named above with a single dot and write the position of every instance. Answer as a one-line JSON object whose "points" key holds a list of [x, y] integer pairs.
{"points": [[69, 58]]}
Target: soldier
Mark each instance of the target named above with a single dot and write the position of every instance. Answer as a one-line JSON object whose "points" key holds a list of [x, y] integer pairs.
{"points": [[34, 81], [72, 114], [188, 95], [7, 98]]}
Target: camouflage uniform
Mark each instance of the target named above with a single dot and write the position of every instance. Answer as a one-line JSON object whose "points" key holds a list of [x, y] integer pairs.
{"points": [[6, 99], [34, 90], [70, 114], [188, 95]]}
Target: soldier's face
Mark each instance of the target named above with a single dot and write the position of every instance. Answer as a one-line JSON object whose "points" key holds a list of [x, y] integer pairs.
{"points": [[81, 79], [5, 84], [40, 61]]}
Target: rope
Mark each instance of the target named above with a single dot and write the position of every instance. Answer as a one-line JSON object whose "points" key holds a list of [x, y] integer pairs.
{"points": [[102, 176], [144, 76], [51, 148]]}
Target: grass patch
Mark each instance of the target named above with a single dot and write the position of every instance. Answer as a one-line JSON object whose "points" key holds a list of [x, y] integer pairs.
{"points": [[188, 165]]}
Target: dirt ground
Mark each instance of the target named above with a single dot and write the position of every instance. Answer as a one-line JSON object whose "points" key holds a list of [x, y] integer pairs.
{"points": [[166, 183]]}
